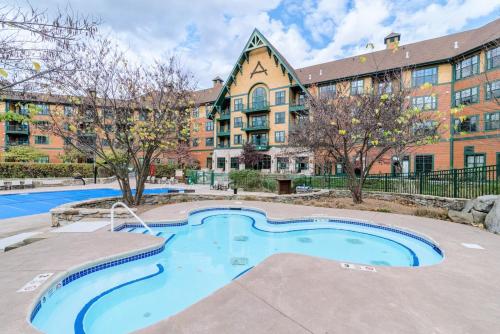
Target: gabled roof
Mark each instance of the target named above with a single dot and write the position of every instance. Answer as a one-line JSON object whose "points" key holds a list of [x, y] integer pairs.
{"points": [[208, 95], [434, 50], [257, 40]]}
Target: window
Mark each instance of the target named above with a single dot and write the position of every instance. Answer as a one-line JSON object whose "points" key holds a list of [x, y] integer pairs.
{"points": [[237, 139], [282, 163], [475, 160], [384, 87], [339, 168], [467, 67], [467, 96], [42, 160], [426, 75], [493, 58], [263, 163], [209, 141], [41, 140], [108, 113], [425, 102], [235, 163], [42, 109], [279, 136], [259, 121], [196, 112], [279, 117], [424, 163], [209, 162], [279, 97], [492, 121], [108, 127], [425, 128], [196, 127], [465, 124], [68, 111], [237, 122], [259, 98], [209, 126], [196, 142], [327, 90], [105, 142], [221, 163], [238, 104], [356, 87], [42, 124], [493, 90], [302, 164]]}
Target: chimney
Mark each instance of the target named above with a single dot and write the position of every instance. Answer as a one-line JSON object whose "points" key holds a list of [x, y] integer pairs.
{"points": [[392, 40], [217, 81]]}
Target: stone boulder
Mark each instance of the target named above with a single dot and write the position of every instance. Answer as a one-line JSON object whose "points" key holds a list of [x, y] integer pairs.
{"points": [[484, 203], [492, 221], [478, 216], [468, 205], [461, 217]]}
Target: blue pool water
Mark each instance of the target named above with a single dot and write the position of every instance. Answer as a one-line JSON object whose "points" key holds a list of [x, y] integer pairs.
{"points": [[16, 205], [213, 248]]}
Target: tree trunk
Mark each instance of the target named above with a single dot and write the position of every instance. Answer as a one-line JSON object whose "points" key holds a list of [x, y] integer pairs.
{"points": [[124, 183], [140, 181], [357, 193]]}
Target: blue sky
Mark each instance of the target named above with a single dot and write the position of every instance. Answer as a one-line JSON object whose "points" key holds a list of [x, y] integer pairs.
{"points": [[208, 35]]}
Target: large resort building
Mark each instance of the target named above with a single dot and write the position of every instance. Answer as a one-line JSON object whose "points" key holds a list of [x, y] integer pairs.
{"points": [[263, 98]]}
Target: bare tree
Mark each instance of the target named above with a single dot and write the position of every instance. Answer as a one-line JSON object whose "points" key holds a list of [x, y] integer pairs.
{"points": [[123, 115], [358, 128], [30, 39], [249, 156]]}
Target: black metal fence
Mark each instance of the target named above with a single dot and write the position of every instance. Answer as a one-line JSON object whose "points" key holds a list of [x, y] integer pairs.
{"points": [[456, 183]]}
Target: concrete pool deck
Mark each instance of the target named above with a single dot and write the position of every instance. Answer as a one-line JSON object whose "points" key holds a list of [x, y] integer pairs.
{"points": [[290, 293]]}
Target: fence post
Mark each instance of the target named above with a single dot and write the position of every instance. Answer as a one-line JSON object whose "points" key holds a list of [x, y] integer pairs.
{"points": [[330, 181], [455, 182], [212, 178], [421, 183], [385, 183]]}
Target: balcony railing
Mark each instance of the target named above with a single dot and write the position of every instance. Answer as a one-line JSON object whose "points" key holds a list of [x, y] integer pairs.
{"points": [[17, 128], [255, 126], [17, 142], [223, 131], [297, 106], [259, 145], [224, 115], [257, 107], [223, 145]]}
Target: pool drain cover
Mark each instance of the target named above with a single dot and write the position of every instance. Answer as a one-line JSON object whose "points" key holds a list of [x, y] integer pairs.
{"points": [[305, 240], [239, 261], [240, 238], [147, 315], [354, 241]]}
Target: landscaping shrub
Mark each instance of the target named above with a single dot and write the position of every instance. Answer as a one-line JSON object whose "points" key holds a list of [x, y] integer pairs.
{"points": [[37, 170], [247, 179], [167, 170]]}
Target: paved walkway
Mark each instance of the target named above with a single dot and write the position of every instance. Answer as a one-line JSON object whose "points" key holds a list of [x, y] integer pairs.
{"points": [[290, 293]]}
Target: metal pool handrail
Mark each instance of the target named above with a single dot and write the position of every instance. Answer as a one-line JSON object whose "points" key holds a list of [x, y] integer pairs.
{"points": [[131, 212]]}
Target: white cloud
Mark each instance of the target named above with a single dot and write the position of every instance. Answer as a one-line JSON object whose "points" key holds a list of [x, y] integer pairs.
{"points": [[208, 35]]}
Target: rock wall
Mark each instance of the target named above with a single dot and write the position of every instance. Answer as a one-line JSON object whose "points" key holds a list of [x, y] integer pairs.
{"points": [[483, 211], [100, 208]]}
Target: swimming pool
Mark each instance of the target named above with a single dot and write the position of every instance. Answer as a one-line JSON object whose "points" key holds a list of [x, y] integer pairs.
{"points": [[201, 255], [24, 204]]}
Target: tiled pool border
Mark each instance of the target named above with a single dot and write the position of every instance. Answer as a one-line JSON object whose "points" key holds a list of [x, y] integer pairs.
{"points": [[83, 272]]}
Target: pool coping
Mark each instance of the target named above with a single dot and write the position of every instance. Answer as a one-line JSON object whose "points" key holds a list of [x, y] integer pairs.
{"points": [[471, 232]]}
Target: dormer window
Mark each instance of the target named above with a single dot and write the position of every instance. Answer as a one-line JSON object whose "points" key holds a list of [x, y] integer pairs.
{"points": [[467, 67]]}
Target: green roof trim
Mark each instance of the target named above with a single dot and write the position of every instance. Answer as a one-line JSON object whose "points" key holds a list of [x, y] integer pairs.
{"points": [[256, 40]]}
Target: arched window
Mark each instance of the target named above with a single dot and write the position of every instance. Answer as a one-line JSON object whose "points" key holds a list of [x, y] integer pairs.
{"points": [[259, 97]]}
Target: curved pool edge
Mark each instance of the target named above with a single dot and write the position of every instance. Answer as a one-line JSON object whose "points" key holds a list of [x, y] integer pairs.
{"points": [[36, 304], [34, 307]]}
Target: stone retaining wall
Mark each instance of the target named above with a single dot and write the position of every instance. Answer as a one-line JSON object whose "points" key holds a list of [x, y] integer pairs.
{"points": [[100, 208]]}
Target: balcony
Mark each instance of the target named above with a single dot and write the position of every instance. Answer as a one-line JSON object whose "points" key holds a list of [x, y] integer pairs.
{"points": [[260, 145], [257, 107], [17, 142], [224, 115], [223, 145], [21, 129], [223, 131], [255, 126], [297, 107]]}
